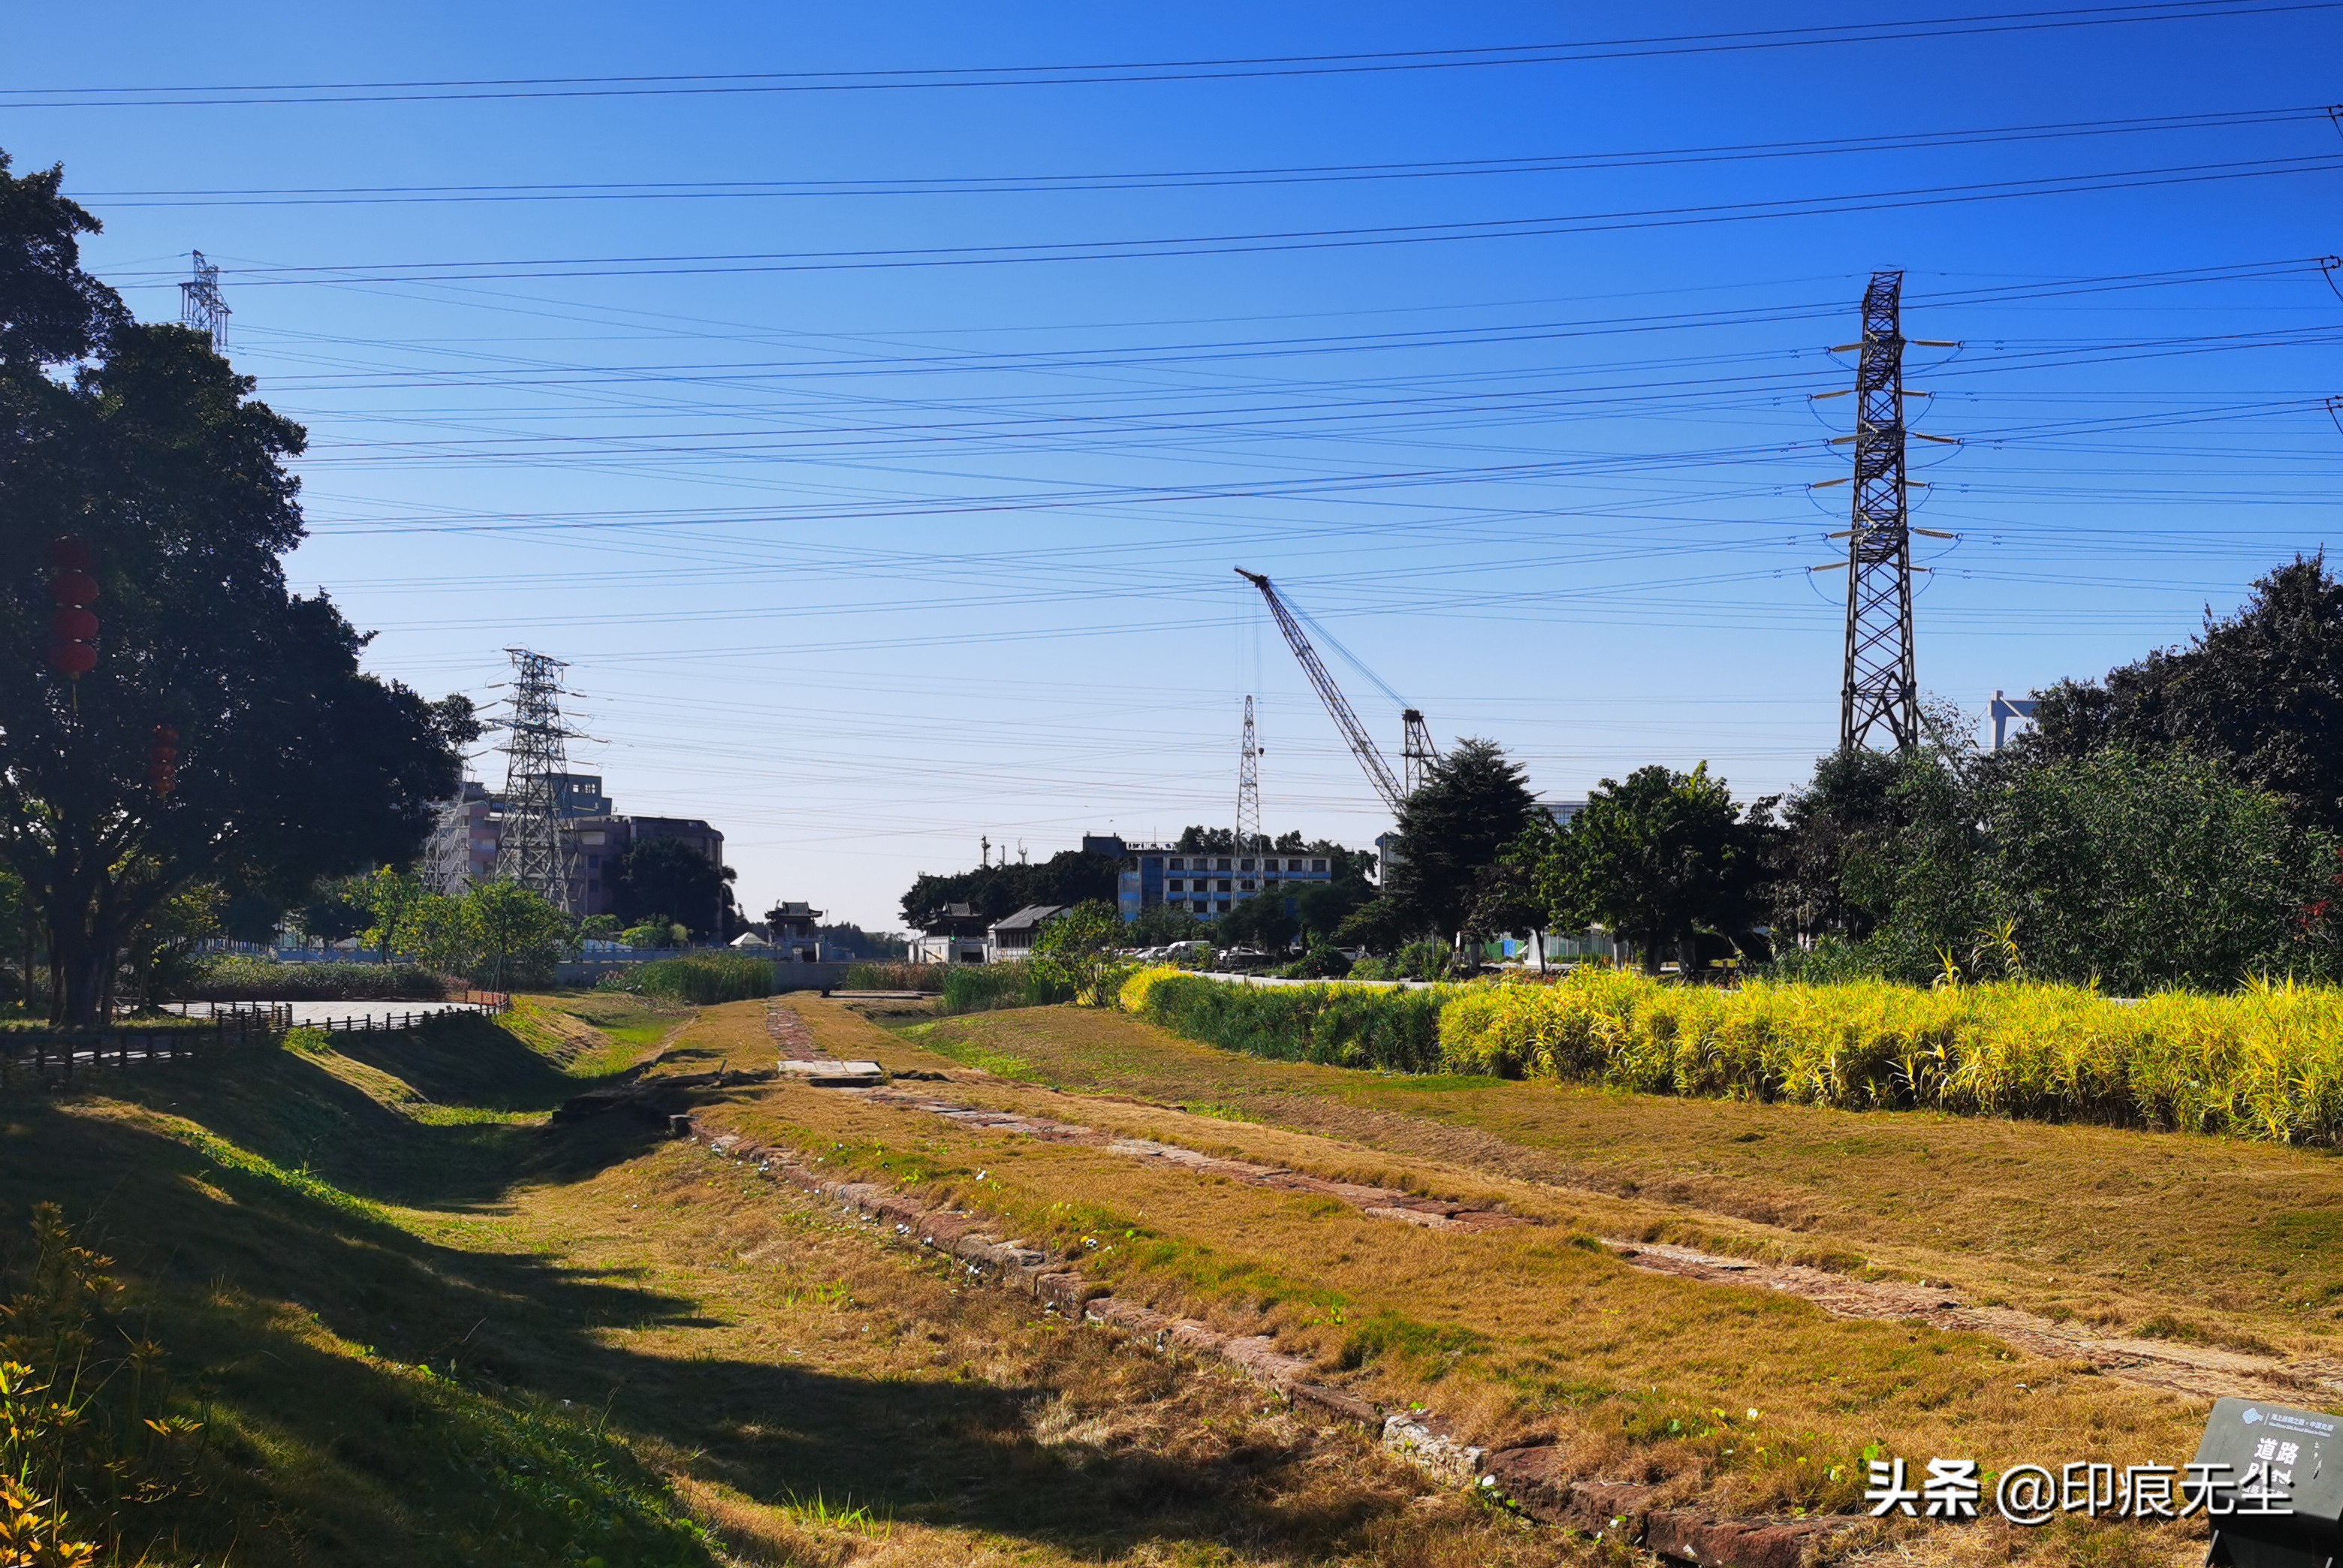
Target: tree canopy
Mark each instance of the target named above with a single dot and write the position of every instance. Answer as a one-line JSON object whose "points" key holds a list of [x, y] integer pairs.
{"points": [[1659, 858], [2260, 691], [225, 732], [1472, 804], [666, 876], [1070, 877]]}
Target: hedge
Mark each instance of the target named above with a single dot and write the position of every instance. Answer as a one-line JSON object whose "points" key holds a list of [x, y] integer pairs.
{"points": [[1343, 1025], [235, 978]]}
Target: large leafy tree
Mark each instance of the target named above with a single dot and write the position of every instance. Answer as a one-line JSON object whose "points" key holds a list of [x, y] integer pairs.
{"points": [[290, 762], [2261, 690], [668, 876], [1659, 858], [1473, 802], [1070, 877]]}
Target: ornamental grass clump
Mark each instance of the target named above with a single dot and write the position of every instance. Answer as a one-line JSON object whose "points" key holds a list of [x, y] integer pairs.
{"points": [[2263, 1062]]}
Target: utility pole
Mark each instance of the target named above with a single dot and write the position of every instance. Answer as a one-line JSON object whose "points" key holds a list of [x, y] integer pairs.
{"points": [[201, 307], [1248, 785], [1881, 691], [531, 849]]}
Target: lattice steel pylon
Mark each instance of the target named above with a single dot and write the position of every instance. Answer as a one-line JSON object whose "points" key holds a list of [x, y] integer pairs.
{"points": [[1248, 786], [1416, 751], [200, 304], [531, 847], [1881, 691]]}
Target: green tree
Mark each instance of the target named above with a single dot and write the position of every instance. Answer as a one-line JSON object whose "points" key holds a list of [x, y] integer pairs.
{"points": [[668, 878], [1260, 922], [1473, 802], [2261, 690], [1068, 878], [1160, 925], [2142, 873], [1079, 948], [142, 445], [1658, 858], [515, 935]]}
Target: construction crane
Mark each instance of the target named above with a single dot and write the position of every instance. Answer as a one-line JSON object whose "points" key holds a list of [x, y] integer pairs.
{"points": [[1417, 752]]}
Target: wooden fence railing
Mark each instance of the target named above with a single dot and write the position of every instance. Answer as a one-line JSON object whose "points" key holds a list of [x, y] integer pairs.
{"points": [[45, 1055]]}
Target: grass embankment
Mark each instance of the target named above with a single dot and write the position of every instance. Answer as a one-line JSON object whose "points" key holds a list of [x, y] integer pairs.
{"points": [[1749, 1399], [418, 1326], [2125, 1229]]}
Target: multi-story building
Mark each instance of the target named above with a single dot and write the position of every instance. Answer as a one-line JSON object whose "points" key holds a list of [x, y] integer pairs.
{"points": [[462, 846], [1207, 885]]}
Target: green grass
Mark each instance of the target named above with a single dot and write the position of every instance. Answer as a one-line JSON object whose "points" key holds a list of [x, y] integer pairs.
{"points": [[348, 1408], [1342, 1025]]}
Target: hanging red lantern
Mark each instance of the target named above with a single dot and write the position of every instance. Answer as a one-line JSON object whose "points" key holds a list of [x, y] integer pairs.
{"points": [[73, 629], [162, 761]]}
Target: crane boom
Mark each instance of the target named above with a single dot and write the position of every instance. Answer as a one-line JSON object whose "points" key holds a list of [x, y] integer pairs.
{"points": [[1338, 707]]}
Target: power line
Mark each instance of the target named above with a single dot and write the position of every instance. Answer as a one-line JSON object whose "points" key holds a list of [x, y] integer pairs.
{"points": [[1185, 179], [697, 85], [719, 262]]}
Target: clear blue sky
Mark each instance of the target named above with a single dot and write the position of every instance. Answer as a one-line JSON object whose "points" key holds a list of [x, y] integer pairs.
{"points": [[861, 560]]}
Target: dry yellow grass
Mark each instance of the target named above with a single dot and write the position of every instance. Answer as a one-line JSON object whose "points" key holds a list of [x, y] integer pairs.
{"points": [[2230, 1241], [1509, 1334], [413, 1313]]}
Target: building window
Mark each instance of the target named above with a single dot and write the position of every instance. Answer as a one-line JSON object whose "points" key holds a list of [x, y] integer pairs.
{"points": [[1224, 884], [1201, 907], [1177, 884], [1246, 886], [1317, 865], [1244, 865], [1269, 881]]}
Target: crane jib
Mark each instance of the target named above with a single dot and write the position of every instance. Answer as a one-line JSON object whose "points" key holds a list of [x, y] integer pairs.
{"points": [[1338, 707]]}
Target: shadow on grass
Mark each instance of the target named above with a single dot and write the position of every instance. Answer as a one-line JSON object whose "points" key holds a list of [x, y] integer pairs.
{"points": [[323, 1455]]}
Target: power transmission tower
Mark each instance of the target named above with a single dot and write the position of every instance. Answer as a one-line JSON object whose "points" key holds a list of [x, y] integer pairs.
{"points": [[200, 304], [1416, 751], [531, 849], [1881, 690], [1248, 785]]}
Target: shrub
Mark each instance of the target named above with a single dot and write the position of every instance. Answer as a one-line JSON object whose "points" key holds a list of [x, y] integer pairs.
{"points": [[703, 981], [1134, 995], [981, 987], [232, 978], [1343, 1025], [2265, 1062], [893, 976]]}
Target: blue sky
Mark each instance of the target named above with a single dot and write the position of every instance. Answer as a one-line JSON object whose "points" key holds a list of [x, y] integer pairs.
{"points": [[862, 556]]}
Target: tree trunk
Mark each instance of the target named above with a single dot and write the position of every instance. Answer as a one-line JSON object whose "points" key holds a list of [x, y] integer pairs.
{"points": [[1652, 957], [81, 968]]}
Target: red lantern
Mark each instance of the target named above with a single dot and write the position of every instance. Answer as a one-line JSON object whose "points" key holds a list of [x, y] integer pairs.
{"points": [[162, 761], [73, 630]]}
